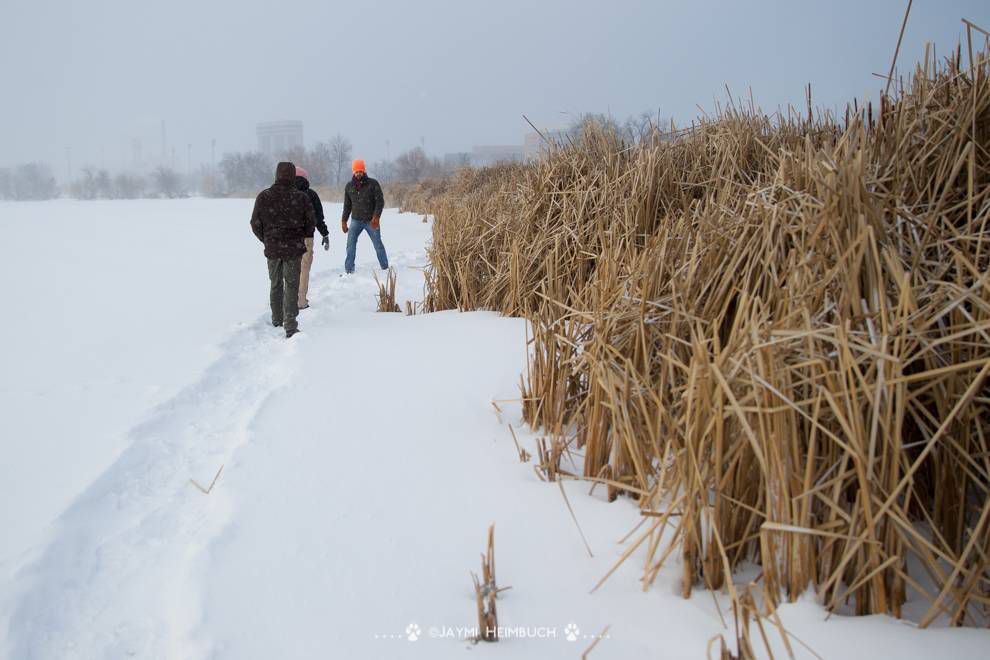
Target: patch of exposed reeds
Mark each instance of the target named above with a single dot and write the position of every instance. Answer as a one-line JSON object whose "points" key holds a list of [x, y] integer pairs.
{"points": [[486, 592], [772, 332], [386, 292]]}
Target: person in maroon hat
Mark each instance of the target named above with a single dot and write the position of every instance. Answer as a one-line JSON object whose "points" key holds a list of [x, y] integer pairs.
{"points": [[302, 184]]}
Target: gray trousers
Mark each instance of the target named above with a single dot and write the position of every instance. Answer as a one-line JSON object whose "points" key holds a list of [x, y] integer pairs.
{"points": [[284, 277]]}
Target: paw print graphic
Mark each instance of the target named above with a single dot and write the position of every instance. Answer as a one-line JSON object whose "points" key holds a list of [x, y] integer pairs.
{"points": [[412, 632], [571, 632]]}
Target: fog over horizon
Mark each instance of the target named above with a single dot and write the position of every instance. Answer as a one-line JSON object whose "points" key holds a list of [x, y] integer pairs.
{"points": [[86, 81]]}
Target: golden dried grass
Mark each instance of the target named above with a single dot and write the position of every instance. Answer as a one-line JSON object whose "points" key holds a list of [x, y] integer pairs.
{"points": [[774, 333]]}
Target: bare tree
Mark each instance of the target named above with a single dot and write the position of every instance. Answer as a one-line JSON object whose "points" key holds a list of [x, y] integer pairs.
{"points": [[296, 155], [320, 165], [592, 121], [127, 186], [642, 127], [85, 187], [103, 184], [384, 170], [210, 182], [168, 182], [413, 165], [340, 154], [33, 181], [6, 184], [246, 172]]}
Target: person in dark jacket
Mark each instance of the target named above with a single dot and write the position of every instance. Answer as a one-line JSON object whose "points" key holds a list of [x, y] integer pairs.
{"points": [[302, 184], [282, 219], [363, 203]]}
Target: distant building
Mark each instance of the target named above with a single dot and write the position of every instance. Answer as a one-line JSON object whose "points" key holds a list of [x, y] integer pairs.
{"points": [[535, 144], [277, 137], [484, 156]]}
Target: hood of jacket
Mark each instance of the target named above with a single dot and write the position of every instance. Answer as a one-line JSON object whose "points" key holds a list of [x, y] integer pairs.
{"points": [[285, 173]]}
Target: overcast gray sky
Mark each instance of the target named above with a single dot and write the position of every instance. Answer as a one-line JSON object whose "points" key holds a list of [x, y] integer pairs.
{"points": [[94, 75]]}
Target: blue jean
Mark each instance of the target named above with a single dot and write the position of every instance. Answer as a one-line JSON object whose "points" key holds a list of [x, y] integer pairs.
{"points": [[353, 231]]}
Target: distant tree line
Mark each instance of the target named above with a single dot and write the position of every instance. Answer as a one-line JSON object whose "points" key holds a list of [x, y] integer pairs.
{"points": [[414, 165], [634, 129], [245, 173], [28, 181], [97, 183], [328, 163]]}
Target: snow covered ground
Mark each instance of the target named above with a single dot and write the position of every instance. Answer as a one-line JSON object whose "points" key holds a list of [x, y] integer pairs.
{"points": [[362, 464]]}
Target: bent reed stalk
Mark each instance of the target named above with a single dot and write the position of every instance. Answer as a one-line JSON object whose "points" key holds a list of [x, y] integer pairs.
{"points": [[386, 292], [773, 333]]}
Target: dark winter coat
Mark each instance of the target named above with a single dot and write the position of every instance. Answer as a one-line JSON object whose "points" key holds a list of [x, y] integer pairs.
{"points": [[283, 217], [364, 204], [302, 184]]}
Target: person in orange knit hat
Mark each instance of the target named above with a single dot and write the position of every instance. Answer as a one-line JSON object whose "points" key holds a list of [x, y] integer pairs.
{"points": [[363, 204]]}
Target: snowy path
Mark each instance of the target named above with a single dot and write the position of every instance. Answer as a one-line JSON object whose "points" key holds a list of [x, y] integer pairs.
{"points": [[363, 463], [360, 477]]}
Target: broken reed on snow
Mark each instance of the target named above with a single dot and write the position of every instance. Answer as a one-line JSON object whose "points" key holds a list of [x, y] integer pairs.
{"points": [[773, 333]]}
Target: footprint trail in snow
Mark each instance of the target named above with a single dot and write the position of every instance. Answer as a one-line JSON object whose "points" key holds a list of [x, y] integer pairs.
{"points": [[136, 539]]}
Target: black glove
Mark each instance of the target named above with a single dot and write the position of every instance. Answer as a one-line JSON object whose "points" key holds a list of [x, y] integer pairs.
{"points": [[326, 242]]}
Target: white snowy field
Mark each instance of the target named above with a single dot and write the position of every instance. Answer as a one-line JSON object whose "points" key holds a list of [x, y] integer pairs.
{"points": [[362, 464]]}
